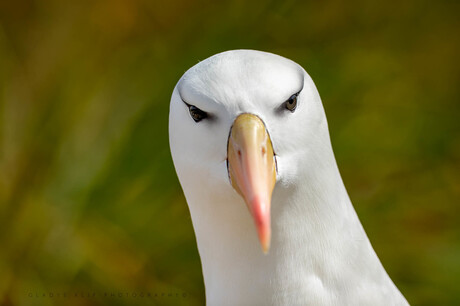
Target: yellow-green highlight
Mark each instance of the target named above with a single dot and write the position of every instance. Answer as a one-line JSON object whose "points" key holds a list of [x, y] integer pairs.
{"points": [[89, 200]]}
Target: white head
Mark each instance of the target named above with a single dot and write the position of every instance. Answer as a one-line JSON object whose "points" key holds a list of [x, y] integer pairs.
{"points": [[220, 153]]}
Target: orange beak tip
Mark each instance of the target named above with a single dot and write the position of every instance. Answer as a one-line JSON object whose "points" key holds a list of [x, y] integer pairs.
{"points": [[260, 208], [266, 247]]}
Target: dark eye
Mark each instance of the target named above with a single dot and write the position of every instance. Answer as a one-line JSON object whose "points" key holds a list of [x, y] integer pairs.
{"points": [[291, 103], [196, 113]]}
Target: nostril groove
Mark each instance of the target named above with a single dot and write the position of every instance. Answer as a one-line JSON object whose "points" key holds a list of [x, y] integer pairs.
{"points": [[263, 151]]}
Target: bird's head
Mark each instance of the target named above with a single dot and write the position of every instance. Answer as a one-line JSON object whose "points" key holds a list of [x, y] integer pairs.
{"points": [[244, 120]]}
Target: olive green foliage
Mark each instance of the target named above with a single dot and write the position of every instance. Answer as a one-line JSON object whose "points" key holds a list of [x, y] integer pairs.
{"points": [[89, 199]]}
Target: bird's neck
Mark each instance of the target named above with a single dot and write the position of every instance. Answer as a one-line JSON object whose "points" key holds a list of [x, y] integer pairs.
{"points": [[317, 241]]}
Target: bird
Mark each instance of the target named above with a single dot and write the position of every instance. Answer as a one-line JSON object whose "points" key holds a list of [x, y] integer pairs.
{"points": [[273, 221]]}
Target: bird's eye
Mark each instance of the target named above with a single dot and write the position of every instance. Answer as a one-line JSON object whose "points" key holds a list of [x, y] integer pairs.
{"points": [[196, 113], [291, 103]]}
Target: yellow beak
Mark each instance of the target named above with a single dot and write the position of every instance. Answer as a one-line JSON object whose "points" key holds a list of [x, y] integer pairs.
{"points": [[252, 170]]}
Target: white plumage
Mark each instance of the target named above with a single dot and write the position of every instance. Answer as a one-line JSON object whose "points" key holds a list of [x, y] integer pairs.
{"points": [[319, 253]]}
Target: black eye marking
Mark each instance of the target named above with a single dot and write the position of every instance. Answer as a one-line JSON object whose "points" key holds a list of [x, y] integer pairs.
{"points": [[196, 113], [291, 103]]}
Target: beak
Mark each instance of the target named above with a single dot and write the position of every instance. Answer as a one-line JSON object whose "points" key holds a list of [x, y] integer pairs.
{"points": [[252, 170]]}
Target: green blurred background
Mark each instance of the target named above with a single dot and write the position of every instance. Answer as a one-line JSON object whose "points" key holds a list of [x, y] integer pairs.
{"points": [[89, 200]]}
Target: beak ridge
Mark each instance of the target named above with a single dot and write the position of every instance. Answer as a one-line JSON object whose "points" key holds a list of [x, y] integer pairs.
{"points": [[252, 170]]}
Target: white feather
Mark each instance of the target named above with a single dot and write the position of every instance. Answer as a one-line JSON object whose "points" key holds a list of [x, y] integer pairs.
{"points": [[320, 254]]}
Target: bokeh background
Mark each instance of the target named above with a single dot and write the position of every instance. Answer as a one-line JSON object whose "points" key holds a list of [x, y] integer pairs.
{"points": [[89, 199]]}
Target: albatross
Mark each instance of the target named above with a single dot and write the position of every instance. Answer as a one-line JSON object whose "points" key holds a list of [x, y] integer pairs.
{"points": [[273, 221]]}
